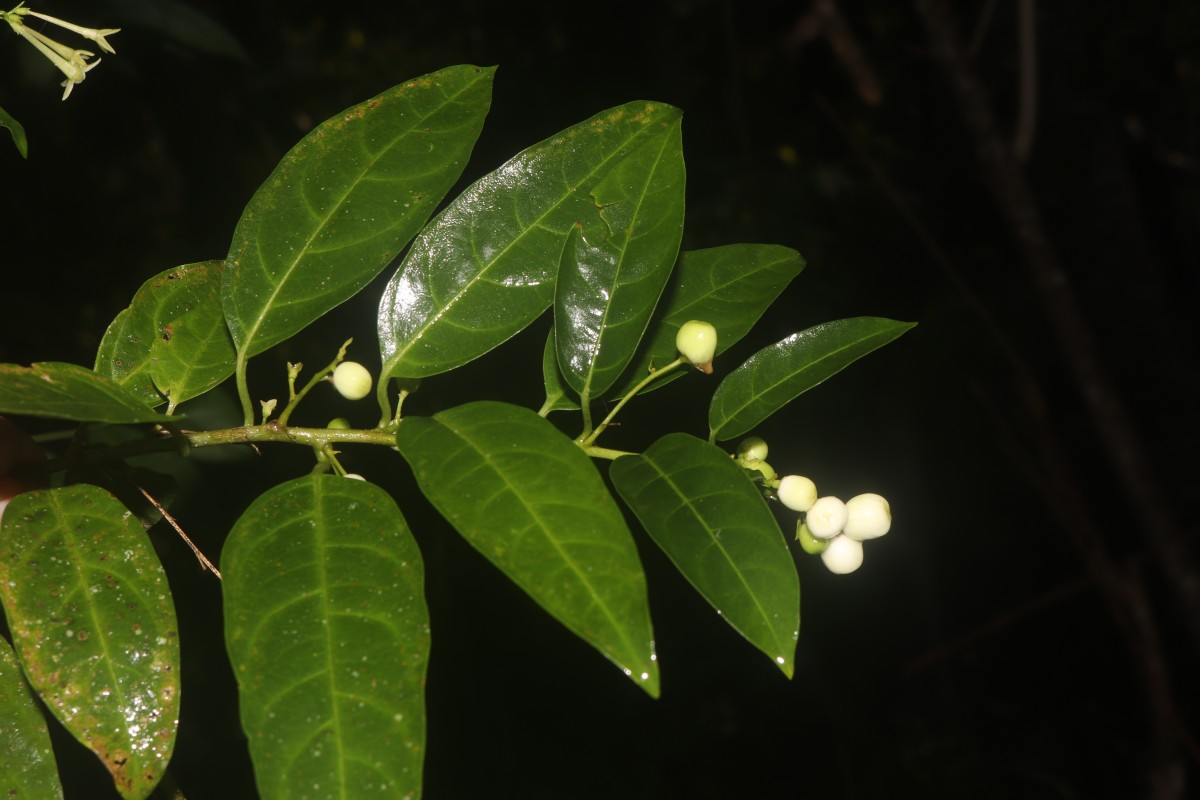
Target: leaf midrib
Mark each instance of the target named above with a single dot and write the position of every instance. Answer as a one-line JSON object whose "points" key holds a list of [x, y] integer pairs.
{"points": [[755, 396], [545, 530], [252, 332], [533, 224], [687, 503]]}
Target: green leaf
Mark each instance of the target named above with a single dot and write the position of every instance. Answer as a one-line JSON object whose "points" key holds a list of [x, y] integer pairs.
{"points": [[171, 342], [68, 391], [559, 396], [711, 520], [730, 287], [328, 634], [27, 767], [530, 500], [484, 268], [346, 199], [17, 130], [778, 374], [92, 618], [609, 282]]}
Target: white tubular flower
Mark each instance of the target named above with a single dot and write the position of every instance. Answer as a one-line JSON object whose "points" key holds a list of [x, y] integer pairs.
{"points": [[352, 380], [868, 516], [70, 61], [696, 341], [797, 492], [843, 556], [96, 35], [826, 517]]}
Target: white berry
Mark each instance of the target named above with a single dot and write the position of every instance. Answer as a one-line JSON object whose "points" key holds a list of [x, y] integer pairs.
{"points": [[868, 516], [696, 341], [352, 380], [843, 556], [797, 492], [826, 518]]}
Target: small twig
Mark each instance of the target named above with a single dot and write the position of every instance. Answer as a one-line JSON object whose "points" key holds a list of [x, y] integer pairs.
{"points": [[1022, 144], [203, 559]]}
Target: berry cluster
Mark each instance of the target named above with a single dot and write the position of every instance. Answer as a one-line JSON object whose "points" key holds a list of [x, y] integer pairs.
{"points": [[828, 527]]}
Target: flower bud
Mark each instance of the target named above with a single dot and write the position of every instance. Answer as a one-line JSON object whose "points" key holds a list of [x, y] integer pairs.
{"points": [[352, 380], [868, 516], [696, 341], [827, 517], [843, 556], [354, 476], [797, 492], [752, 448]]}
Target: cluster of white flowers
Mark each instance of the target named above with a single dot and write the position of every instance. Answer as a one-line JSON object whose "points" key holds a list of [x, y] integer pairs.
{"points": [[827, 526], [71, 61]]}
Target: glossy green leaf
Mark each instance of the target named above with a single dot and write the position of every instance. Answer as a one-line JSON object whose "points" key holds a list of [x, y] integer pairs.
{"points": [[711, 520], [27, 767], [17, 130], [730, 287], [171, 343], [92, 618], [776, 375], [484, 268], [609, 281], [346, 199], [530, 500], [559, 396], [69, 391], [328, 633]]}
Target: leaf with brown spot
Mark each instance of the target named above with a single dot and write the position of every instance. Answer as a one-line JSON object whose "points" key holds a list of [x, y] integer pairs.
{"points": [[92, 618]]}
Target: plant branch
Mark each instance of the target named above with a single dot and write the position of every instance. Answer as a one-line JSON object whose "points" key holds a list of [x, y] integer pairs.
{"points": [[587, 438], [181, 441]]}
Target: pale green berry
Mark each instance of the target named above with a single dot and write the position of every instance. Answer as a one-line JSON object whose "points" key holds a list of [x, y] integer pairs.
{"points": [[752, 448], [868, 516], [843, 556], [352, 380], [809, 543], [797, 492], [354, 476], [696, 341], [339, 424], [827, 517]]}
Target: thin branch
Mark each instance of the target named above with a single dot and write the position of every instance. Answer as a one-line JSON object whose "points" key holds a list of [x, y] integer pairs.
{"points": [[1027, 83], [203, 559]]}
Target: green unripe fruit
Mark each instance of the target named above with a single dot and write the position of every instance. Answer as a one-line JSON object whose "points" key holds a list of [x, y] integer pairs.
{"points": [[339, 424], [696, 341], [352, 380], [809, 543], [797, 492], [752, 448], [868, 516], [763, 468]]}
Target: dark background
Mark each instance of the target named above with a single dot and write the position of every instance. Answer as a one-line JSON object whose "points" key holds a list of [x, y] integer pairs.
{"points": [[1022, 632]]}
